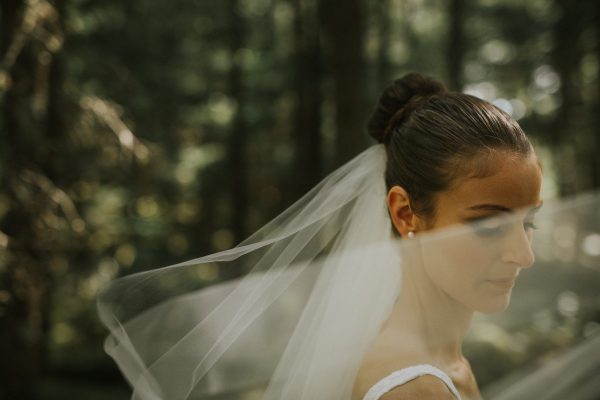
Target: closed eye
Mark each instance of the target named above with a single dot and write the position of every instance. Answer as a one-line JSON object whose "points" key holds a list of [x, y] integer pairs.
{"points": [[487, 226], [492, 226], [530, 225]]}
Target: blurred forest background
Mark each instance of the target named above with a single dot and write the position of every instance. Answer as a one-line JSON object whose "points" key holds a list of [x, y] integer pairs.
{"points": [[140, 133]]}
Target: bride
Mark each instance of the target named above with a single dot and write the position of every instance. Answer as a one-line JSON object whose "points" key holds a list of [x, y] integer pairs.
{"points": [[452, 158], [366, 286]]}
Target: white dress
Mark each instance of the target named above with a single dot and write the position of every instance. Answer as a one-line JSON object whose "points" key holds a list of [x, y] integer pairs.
{"points": [[404, 375]]}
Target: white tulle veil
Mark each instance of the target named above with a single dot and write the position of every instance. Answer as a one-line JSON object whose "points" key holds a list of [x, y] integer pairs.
{"points": [[321, 279]]}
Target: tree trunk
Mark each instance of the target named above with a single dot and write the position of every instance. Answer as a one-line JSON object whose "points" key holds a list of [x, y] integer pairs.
{"points": [[456, 44], [344, 31], [20, 325], [238, 135], [31, 130], [307, 86], [383, 62], [595, 116], [567, 59]]}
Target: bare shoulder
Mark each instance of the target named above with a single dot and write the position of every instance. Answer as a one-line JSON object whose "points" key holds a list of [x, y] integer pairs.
{"points": [[426, 387], [384, 357]]}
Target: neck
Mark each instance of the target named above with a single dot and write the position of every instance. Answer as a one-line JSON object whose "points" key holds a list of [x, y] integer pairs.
{"points": [[430, 318]]}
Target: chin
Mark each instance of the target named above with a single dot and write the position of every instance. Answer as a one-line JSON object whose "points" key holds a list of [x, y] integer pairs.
{"points": [[494, 305]]}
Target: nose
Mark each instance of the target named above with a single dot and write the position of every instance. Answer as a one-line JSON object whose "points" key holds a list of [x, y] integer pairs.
{"points": [[518, 249]]}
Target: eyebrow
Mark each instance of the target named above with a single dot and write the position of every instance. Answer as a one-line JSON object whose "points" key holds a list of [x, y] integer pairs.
{"points": [[489, 207], [497, 207]]}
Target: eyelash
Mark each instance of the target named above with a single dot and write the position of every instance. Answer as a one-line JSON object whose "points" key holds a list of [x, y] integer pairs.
{"points": [[481, 230], [484, 231], [530, 225]]}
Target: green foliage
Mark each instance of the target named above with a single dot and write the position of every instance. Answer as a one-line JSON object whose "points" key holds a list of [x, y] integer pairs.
{"points": [[118, 127]]}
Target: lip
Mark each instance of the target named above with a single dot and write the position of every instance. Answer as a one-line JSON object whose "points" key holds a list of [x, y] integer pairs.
{"points": [[503, 283]]}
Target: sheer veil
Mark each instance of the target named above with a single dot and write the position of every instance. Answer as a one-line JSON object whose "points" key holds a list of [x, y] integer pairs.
{"points": [[321, 279]]}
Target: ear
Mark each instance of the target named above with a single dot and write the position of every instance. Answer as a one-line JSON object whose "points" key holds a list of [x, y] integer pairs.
{"points": [[403, 218]]}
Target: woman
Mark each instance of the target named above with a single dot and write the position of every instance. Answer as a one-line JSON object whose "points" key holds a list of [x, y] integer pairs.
{"points": [[452, 159], [362, 289]]}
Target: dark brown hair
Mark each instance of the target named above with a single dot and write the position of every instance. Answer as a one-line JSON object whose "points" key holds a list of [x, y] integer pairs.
{"points": [[434, 136]]}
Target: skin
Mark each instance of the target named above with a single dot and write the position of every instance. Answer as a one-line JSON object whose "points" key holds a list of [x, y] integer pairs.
{"points": [[445, 282]]}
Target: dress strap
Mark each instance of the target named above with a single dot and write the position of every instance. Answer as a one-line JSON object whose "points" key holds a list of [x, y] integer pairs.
{"points": [[404, 375]]}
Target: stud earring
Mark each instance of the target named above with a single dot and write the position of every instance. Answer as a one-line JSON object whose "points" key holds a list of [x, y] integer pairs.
{"points": [[410, 234]]}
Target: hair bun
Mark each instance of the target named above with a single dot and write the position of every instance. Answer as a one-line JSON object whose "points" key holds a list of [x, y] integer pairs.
{"points": [[397, 102]]}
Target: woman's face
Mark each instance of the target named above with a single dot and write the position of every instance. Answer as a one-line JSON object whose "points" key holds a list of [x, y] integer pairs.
{"points": [[479, 265]]}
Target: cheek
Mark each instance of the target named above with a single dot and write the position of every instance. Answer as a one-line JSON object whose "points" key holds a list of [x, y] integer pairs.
{"points": [[460, 268]]}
